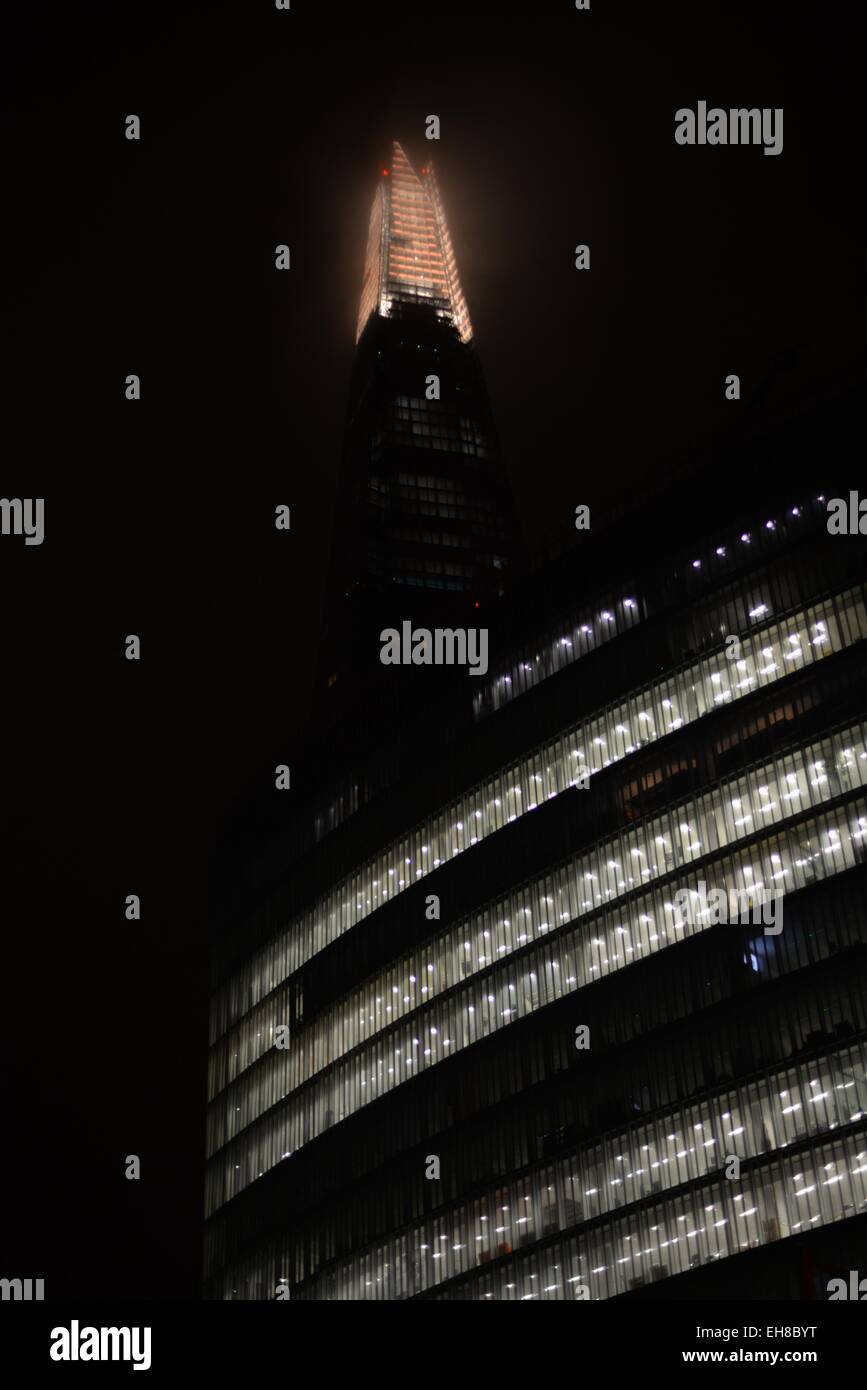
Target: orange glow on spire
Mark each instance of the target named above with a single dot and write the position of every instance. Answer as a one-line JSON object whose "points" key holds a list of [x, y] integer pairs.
{"points": [[409, 250]]}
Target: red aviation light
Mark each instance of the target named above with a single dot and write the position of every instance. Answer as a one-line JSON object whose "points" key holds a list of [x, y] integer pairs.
{"points": [[385, 172]]}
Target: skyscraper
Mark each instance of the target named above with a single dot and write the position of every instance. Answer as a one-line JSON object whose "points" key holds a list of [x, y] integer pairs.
{"points": [[425, 522]]}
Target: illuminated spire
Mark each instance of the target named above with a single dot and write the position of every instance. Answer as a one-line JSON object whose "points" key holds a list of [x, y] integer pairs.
{"points": [[409, 251]]}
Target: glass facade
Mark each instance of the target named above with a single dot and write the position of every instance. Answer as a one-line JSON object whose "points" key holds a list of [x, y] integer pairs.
{"points": [[679, 1149], [692, 1117]]}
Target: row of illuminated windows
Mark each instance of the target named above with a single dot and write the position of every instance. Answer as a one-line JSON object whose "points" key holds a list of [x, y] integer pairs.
{"points": [[480, 949], [685, 1145], [530, 665], [497, 995], [819, 1008], [789, 1195], [744, 806], [475, 944], [473, 948], [595, 743]]}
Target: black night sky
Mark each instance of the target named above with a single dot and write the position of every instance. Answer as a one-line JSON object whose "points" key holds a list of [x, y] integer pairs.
{"points": [[157, 258]]}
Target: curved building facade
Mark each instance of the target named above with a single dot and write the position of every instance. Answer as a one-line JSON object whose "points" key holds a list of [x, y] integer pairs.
{"points": [[573, 1001]]}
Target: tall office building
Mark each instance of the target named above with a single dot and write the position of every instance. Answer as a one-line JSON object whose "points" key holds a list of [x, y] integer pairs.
{"points": [[485, 1030], [425, 522]]}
